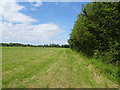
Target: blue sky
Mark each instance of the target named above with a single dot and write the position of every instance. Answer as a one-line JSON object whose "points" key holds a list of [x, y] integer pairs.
{"points": [[43, 23]]}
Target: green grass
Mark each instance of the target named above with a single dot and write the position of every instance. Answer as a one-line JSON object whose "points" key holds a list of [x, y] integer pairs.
{"points": [[34, 67], [108, 70]]}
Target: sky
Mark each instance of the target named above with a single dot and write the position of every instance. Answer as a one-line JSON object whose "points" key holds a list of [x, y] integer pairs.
{"points": [[38, 22]]}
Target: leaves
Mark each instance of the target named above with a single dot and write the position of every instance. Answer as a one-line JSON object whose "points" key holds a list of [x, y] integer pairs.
{"points": [[97, 29]]}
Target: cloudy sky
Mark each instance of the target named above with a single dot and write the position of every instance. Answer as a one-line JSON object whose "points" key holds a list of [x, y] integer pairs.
{"points": [[38, 22]]}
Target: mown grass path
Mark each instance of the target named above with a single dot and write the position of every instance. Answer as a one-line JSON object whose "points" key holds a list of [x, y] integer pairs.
{"points": [[29, 67]]}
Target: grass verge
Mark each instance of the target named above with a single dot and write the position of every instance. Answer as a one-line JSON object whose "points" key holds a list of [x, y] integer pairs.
{"points": [[110, 71]]}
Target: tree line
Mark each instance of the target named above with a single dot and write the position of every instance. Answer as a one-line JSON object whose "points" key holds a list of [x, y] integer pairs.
{"points": [[96, 31], [29, 45]]}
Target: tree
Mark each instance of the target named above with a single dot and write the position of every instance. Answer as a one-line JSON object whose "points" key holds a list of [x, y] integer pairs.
{"points": [[96, 31]]}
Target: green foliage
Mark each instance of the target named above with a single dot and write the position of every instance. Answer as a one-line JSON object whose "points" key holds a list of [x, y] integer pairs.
{"points": [[28, 45], [108, 70], [96, 31]]}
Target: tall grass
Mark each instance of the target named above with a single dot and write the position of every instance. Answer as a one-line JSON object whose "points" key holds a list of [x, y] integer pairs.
{"points": [[109, 70]]}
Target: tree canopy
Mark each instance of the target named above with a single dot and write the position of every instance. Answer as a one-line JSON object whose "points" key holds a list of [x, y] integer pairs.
{"points": [[96, 31], [29, 45]]}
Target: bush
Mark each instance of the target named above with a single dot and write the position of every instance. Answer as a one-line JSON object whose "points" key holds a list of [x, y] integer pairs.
{"points": [[96, 31]]}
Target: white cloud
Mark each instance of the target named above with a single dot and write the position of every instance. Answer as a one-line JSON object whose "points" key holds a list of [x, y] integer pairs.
{"points": [[37, 34], [37, 2], [26, 32], [10, 11]]}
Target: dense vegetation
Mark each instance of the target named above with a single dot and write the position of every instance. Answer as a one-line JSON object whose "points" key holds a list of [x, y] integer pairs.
{"points": [[96, 32], [28, 45]]}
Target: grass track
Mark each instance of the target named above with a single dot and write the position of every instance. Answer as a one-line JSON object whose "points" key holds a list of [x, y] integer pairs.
{"points": [[26, 67]]}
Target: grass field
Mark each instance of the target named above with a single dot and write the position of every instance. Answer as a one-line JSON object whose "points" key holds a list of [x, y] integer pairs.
{"points": [[34, 67]]}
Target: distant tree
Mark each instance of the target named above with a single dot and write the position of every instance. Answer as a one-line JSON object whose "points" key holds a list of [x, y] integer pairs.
{"points": [[29, 45]]}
